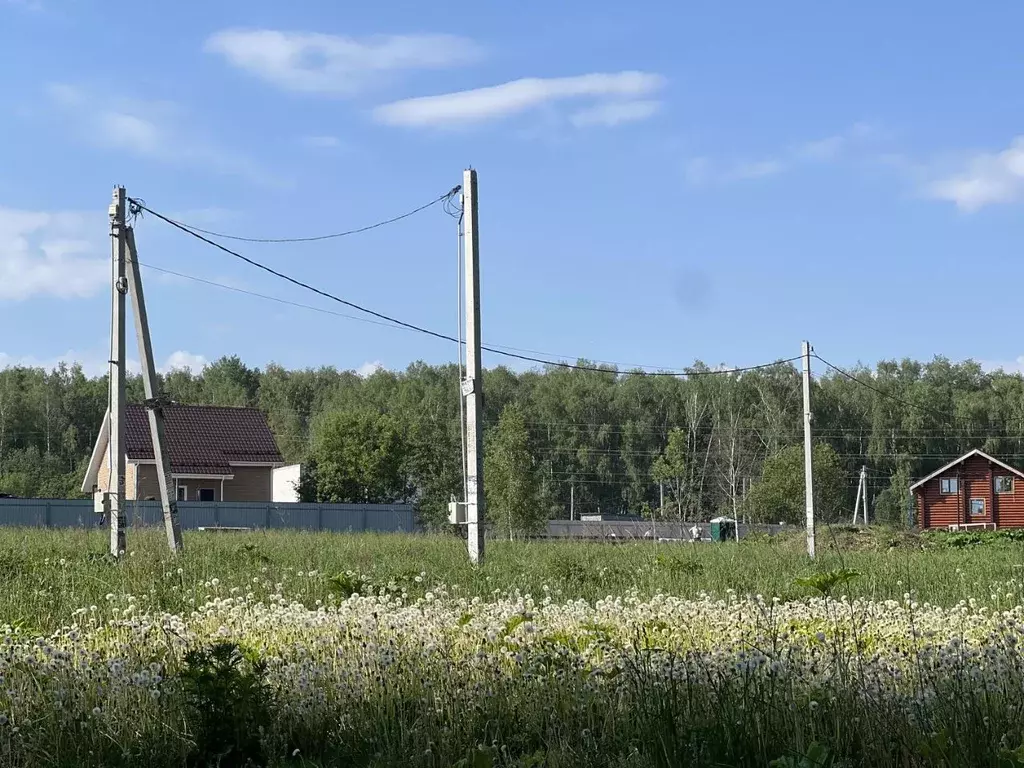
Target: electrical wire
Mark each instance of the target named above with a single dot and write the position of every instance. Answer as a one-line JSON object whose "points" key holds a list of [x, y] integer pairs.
{"points": [[267, 297], [139, 205], [881, 392], [436, 334]]}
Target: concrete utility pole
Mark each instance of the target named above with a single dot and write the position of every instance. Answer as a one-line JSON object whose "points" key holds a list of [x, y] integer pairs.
{"points": [[472, 385], [154, 400], [862, 496], [808, 450], [116, 442]]}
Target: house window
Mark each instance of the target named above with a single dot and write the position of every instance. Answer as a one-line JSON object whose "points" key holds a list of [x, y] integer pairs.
{"points": [[949, 485], [206, 494], [1004, 484], [977, 507], [182, 493]]}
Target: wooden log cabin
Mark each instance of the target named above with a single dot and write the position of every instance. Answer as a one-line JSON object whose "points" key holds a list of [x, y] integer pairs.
{"points": [[974, 491]]}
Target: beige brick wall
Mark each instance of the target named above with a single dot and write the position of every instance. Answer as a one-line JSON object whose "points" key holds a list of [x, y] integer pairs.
{"points": [[149, 488], [103, 476]]}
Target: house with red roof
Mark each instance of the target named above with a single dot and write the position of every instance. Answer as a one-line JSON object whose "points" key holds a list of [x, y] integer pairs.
{"points": [[217, 453]]}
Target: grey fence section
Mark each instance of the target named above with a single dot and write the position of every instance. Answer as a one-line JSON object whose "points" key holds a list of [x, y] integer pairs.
{"points": [[643, 529], [80, 513]]}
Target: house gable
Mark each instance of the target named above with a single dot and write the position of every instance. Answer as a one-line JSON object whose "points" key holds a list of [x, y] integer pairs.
{"points": [[961, 460], [208, 441]]}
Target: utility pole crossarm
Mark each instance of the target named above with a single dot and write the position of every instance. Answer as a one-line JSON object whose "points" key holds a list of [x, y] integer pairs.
{"points": [[154, 400]]}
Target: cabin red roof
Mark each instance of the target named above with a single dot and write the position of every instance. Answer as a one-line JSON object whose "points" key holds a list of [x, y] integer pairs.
{"points": [[203, 439]]}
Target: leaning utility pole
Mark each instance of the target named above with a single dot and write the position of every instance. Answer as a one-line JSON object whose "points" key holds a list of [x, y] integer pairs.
{"points": [[472, 385], [808, 449], [115, 381], [155, 400]]}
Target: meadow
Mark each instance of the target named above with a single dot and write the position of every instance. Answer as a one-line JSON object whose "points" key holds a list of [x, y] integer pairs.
{"points": [[327, 649]]}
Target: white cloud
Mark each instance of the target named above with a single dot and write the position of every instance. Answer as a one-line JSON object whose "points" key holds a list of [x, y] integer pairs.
{"points": [[182, 360], [1006, 366], [156, 130], [321, 142], [93, 363], [697, 170], [758, 169], [131, 132], [499, 101], [312, 62], [702, 170], [368, 368], [988, 178], [51, 254], [616, 112], [823, 149]]}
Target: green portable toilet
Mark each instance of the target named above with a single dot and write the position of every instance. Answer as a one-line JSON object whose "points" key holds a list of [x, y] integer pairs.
{"points": [[723, 529]]}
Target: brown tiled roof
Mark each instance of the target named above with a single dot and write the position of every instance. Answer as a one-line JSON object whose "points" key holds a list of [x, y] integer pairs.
{"points": [[204, 439]]}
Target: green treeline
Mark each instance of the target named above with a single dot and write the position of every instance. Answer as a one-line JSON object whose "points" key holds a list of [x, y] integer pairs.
{"points": [[609, 442]]}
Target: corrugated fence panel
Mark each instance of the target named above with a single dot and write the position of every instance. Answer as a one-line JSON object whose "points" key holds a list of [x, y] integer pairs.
{"points": [[340, 518], [80, 513], [305, 517]]}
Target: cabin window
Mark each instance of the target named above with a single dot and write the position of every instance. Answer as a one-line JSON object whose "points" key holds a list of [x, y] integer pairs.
{"points": [[206, 494], [1004, 484], [949, 485], [182, 493], [977, 507]]}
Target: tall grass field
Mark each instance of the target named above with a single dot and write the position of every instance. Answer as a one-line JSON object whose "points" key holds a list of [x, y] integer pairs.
{"points": [[302, 649]]}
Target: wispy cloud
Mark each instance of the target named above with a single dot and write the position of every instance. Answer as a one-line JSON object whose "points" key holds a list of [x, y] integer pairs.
{"points": [[616, 113], [321, 142], [183, 360], [311, 62], [616, 94], [986, 178], [50, 254], [30, 5], [94, 362], [369, 368], [757, 169], [704, 170], [156, 130], [1006, 366]]}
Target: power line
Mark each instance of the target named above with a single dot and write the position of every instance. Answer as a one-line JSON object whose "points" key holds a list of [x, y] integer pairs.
{"points": [[191, 227], [279, 300], [435, 334], [881, 392]]}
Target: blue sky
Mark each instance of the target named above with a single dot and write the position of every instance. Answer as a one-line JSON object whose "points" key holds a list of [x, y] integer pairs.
{"points": [[660, 182]]}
